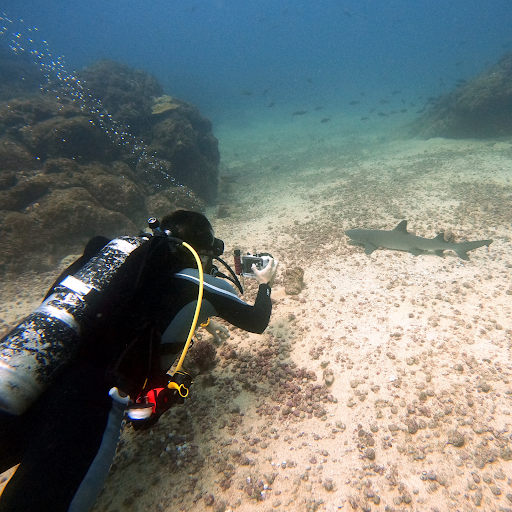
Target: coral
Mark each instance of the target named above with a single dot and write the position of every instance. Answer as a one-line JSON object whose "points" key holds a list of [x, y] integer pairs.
{"points": [[163, 104]]}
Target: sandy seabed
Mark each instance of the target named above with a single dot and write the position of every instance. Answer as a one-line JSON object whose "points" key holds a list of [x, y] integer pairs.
{"points": [[385, 383]]}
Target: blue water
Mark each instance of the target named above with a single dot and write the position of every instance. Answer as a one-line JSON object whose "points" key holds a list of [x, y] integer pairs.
{"points": [[296, 54]]}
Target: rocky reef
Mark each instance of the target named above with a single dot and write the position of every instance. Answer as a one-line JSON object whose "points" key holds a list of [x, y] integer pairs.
{"points": [[174, 131], [478, 108], [71, 169]]}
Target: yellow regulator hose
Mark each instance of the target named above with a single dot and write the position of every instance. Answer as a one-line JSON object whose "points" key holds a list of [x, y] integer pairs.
{"points": [[198, 307]]}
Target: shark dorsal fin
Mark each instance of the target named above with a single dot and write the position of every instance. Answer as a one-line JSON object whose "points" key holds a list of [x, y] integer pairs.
{"points": [[440, 237], [402, 227]]}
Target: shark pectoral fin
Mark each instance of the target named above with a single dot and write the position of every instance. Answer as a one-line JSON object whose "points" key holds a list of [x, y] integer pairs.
{"points": [[440, 252], [369, 248], [353, 242], [402, 227], [416, 252]]}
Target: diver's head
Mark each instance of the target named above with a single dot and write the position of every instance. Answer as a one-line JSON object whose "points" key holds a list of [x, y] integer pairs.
{"points": [[195, 229]]}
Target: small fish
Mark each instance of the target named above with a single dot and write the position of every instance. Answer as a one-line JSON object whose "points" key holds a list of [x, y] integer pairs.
{"points": [[271, 104], [264, 92], [421, 110], [383, 102], [246, 92], [372, 110], [362, 94], [392, 112], [382, 114], [299, 112], [353, 102], [404, 110], [396, 91], [325, 120], [364, 118], [319, 108]]}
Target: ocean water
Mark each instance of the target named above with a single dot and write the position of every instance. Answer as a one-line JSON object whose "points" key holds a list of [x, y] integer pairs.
{"points": [[234, 58]]}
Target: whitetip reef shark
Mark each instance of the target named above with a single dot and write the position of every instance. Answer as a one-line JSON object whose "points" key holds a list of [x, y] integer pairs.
{"points": [[399, 239]]}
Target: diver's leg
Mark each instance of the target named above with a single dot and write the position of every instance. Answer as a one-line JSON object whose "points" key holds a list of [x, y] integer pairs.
{"points": [[94, 480], [69, 421]]}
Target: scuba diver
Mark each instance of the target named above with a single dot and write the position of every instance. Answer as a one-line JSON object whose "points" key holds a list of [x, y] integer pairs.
{"points": [[96, 354]]}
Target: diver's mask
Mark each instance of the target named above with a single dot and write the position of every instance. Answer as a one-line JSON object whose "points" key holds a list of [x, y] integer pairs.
{"points": [[214, 251], [217, 247]]}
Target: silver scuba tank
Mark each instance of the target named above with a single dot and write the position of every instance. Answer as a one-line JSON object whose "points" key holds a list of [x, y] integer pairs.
{"points": [[46, 340]]}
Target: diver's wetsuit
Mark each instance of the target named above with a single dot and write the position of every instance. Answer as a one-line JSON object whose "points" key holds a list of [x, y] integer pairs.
{"points": [[219, 299], [65, 442]]}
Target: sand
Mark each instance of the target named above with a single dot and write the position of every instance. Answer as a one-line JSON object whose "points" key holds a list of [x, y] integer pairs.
{"points": [[385, 383]]}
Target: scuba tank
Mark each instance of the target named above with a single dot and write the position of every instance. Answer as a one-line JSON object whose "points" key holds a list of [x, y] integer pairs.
{"points": [[32, 354], [89, 293]]}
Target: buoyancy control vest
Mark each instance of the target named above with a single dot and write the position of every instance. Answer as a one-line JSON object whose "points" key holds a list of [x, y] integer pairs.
{"points": [[36, 350]]}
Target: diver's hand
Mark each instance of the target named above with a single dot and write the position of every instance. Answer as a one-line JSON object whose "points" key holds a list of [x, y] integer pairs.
{"points": [[267, 274], [218, 331]]}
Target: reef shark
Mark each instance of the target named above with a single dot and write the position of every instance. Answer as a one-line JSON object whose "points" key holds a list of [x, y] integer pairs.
{"points": [[400, 240]]}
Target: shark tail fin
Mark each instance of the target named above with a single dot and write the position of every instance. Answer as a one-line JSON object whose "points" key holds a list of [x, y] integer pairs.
{"points": [[464, 247]]}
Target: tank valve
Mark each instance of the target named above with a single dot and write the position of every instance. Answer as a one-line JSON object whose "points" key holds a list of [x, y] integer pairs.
{"points": [[154, 225]]}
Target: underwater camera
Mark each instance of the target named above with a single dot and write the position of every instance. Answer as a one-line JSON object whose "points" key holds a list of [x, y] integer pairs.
{"points": [[244, 262]]}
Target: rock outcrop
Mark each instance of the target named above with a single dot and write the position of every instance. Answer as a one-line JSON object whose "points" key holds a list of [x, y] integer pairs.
{"points": [[67, 174], [479, 108]]}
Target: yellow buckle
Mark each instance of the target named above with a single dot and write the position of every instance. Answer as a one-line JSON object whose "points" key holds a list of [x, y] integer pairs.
{"points": [[178, 387]]}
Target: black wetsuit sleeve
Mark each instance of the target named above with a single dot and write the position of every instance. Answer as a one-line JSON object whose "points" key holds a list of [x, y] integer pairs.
{"points": [[244, 316]]}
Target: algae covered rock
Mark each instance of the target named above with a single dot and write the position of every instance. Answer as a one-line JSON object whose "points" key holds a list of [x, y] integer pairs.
{"points": [[69, 171], [175, 132], [294, 281], [478, 108]]}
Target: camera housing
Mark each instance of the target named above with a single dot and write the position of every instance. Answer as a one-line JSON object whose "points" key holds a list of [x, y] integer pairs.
{"points": [[261, 260]]}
